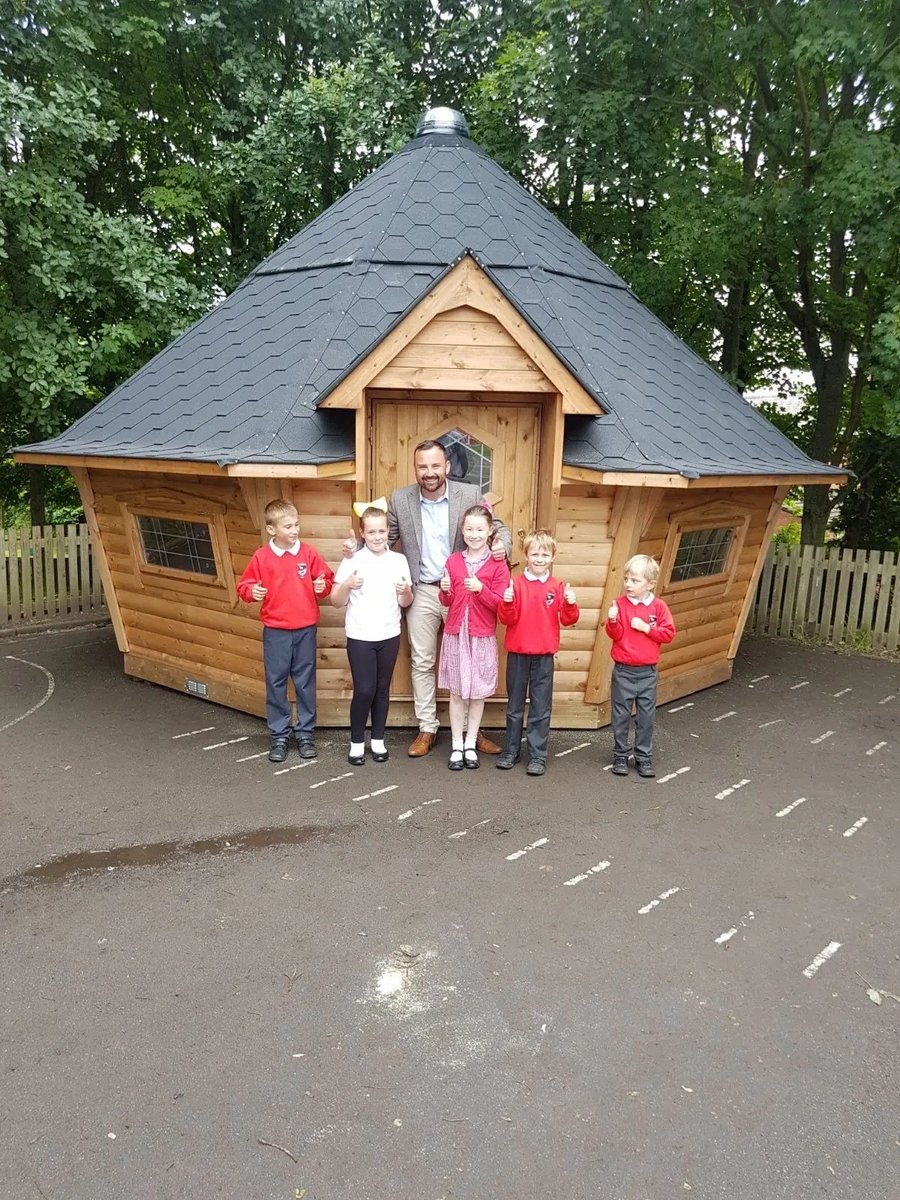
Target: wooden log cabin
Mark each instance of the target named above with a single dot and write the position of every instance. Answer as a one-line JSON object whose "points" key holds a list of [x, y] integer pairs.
{"points": [[436, 300]]}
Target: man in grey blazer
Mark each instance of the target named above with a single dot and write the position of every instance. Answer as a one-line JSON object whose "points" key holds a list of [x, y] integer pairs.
{"points": [[424, 519]]}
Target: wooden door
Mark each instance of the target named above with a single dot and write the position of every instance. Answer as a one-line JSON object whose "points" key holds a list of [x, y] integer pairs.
{"points": [[496, 442]]}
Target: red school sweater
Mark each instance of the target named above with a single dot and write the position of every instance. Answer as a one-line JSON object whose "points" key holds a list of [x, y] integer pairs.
{"points": [[534, 615], [290, 602], [633, 647], [481, 606]]}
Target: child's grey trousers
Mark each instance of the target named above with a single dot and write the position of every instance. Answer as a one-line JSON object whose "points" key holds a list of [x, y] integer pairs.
{"points": [[633, 687]]}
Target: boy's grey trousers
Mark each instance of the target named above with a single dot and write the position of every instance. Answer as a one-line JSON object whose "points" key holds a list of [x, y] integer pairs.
{"points": [[633, 686]]}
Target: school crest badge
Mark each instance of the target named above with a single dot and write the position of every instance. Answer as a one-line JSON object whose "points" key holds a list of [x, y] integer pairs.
{"points": [[302, 569], [549, 598]]}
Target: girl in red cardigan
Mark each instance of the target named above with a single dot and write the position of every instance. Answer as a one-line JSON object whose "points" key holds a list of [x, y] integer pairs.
{"points": [[472, 587]]}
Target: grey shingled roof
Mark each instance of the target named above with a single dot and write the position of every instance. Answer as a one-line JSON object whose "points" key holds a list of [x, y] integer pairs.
{"points": [[243, 383]]}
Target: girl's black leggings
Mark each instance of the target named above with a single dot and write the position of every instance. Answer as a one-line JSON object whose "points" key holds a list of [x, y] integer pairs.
{"points": [[371, 665]]}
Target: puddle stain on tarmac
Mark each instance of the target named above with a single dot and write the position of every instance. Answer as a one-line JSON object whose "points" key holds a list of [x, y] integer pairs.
{"points": [[156, 854]]}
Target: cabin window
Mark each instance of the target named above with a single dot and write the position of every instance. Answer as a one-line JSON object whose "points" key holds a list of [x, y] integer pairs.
{"points": [[177, 545], [702, 553], [471, 461]]}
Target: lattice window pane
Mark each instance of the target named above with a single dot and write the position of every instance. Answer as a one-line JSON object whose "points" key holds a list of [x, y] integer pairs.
{"points": [[180, 545], [470, 460], [702, 552]]}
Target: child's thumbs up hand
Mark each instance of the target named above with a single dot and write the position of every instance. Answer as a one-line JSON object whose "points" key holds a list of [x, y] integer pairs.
{"points": [[402, 587], [613, 613], [348, 545], [445, 581], [569, 594], [319, 585], [508, 595]]}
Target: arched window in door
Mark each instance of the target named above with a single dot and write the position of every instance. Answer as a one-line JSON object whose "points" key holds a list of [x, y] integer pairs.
{"points": [[471, 461]]}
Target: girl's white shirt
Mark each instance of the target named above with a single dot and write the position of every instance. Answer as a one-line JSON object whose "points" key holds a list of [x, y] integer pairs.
{"points": [[373, 611]]}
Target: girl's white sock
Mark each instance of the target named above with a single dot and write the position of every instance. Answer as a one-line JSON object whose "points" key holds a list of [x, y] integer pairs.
{"points": [[471, 739], [458, 744], [357, 749], [377, 746]]}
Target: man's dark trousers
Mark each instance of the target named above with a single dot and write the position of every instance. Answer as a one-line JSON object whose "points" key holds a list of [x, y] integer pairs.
{"points": [[290, 652], [633, 686], [530, 674]]}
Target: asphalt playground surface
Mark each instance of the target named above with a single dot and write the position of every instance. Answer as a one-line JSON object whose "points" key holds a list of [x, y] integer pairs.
{"points": [[222, 978]]}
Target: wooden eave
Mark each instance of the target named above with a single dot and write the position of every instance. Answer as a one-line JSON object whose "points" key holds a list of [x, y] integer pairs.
{"points": [[649, 479], [465, 285], [180, 466]]}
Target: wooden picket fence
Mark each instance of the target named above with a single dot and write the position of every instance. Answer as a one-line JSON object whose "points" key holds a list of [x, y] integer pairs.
{"points": [[821, 593], [47, 575]]}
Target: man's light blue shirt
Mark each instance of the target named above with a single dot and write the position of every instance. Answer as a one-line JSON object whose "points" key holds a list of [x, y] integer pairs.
{"points": [[435, 536]]}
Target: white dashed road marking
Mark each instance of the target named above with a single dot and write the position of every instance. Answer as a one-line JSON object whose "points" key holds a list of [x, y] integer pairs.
{"points": [[250, 757], [679, 707], [51, 687], [830, 950], [887, 699], [534, 845], [333, 779], [571, 750], [193, 732], [856, 825], [729, 933], [729, 790], [230, 742], [601, 866], [802, 683], [766, 724], [725, 716], [659, 899], [295, 767], [878, 746], [759, 678], [842, 692], [425, 803], [463, 832], [783, 812], [673, 774], [821, 738], [380, 792]]}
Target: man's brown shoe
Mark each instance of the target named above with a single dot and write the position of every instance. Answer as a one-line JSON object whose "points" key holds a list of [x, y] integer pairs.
{"points": [[484, 745], [423, 743]]}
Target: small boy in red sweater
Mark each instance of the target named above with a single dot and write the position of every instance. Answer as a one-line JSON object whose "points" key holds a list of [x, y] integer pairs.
{"points": [[289, 577], [639, 623], [534, 606]]}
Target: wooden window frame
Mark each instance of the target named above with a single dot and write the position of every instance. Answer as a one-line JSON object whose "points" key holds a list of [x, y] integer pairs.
{"points": [[177, 506], [696, 521]]}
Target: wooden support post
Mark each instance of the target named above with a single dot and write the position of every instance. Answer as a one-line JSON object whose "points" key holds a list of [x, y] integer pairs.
{"points": [[82, 478], [747, 607], [549, 473], [628, 511], [257, 494]]}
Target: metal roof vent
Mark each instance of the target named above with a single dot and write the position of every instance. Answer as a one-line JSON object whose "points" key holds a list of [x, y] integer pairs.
{"points": [[442, 120]]}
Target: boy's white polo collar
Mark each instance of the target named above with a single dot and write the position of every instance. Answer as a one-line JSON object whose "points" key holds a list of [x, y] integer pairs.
{"points": [[648, 599], [537, 578], [282, 550]]}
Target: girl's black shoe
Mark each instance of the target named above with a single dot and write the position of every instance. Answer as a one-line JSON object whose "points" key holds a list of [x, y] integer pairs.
{"points": [[379, 756], [356, 760]]}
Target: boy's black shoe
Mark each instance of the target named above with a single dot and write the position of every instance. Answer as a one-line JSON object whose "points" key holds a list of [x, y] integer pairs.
{"points": [[620, 766], [506, 761], [645, 768], [278, 750], [306, 747], [535, 767]]}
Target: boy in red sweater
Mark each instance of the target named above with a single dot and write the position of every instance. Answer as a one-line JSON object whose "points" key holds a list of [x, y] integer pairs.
{"points": [[534, 607], [289, 577], [639, 623]]}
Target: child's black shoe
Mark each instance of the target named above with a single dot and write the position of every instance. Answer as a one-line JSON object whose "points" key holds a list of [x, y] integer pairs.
{"points": [[620, 766], [278, 750], [645, 768], [536, 767]]}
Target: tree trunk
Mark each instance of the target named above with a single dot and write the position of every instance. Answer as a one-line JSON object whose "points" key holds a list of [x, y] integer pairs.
{"points": [[36, 493], [816, 510]]}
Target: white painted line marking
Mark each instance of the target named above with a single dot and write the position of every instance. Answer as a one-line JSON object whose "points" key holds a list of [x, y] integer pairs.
{"points": [[760, 678], [725, 716], [230, 742], [333, 779], [821, 738], [462, 832], [783, 812], [878, 746], [380, 792], [580, 746], [729, 933], [856, 825], [766, 724], [534, 845], [730, 790], [673, 775], [193, 732], [659, 899], [842, 692], [601, 866], [295, 767], [425, 803], [831, 949], [250, 757], [608, 767], [803, 683], [51, 686], [887, 699], [679, 707]]}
